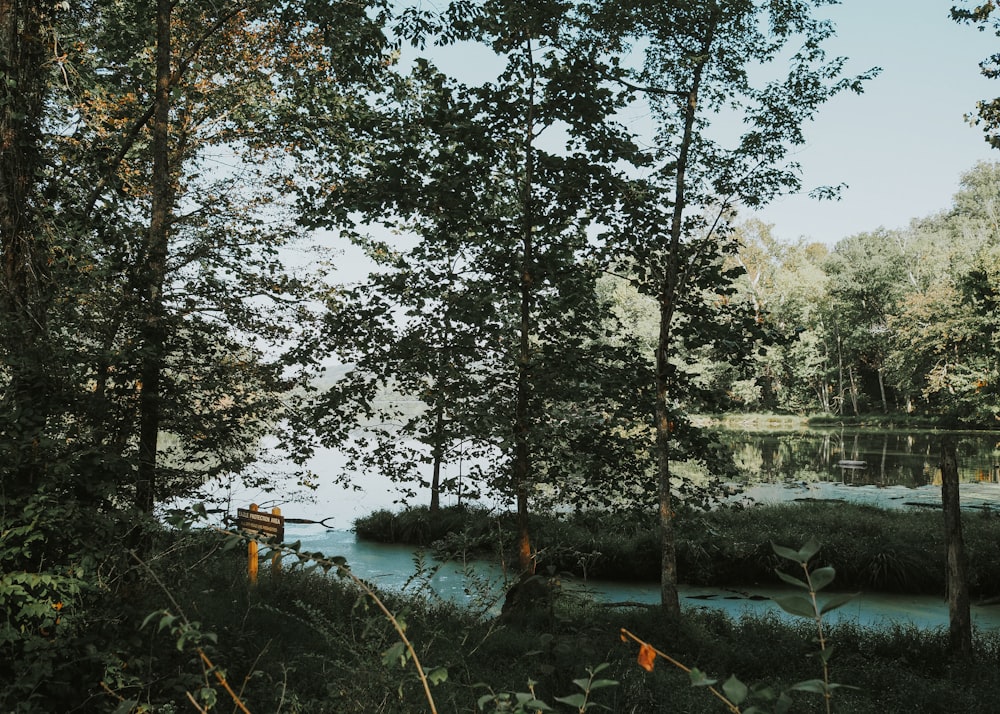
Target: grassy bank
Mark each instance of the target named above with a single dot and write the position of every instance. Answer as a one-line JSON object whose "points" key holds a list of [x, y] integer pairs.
{"points": [[307, 642], [795, 422], [871, 548]]}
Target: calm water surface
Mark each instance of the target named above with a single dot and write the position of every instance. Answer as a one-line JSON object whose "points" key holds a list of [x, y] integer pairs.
{"points": [[898, 469], [861, 457], [481, 585]]}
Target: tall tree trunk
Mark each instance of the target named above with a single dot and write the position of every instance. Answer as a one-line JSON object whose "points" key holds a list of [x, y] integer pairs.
{"points": [[672, 281], [443, 387], [25, 285], [840, 372], [669, 599], [854, 390], [960, 622], [522, 426], [154, 269], [438, 457]]}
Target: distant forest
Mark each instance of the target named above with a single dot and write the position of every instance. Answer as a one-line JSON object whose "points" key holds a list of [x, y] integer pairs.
{"points": [[904, 320]]}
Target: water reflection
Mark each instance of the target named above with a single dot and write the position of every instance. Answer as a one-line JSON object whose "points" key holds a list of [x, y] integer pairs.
{"points": [[859, 457]]}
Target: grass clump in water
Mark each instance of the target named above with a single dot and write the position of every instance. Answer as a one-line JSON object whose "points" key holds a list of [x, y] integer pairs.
{"points": [[874, 549]]}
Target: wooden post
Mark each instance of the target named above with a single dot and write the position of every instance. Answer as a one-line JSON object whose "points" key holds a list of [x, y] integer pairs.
{"points": [[276, 557], [252, 553]]}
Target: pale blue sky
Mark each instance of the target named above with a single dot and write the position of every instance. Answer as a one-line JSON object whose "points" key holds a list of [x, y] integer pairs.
{"points": [[902, 145]]}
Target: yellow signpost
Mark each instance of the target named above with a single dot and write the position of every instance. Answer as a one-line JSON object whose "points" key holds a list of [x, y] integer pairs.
{"points": [[269, 525]]}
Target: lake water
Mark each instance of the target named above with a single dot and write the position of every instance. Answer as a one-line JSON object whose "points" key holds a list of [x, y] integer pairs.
{"points": [[872, 457], [482, 586], [899, 469], [887, 468]]}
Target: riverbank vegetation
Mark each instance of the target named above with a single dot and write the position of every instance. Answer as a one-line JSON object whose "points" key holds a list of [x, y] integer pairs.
{"points": [[311, 643], [871, 548]]}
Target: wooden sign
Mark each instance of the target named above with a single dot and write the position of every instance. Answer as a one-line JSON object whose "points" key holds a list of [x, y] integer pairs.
{"points": [[268, 525]]}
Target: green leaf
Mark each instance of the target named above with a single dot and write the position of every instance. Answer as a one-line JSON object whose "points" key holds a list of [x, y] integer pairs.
{"points": [[437, 675], [601, 683], [395, 655], [764, 692], [166, 621], [150, 617], [791, 579], [802, 555], [810, 549], [484, 700], [796, 605], [816, 686], [573, 700], [735, 690], [526, 700], [835, 601], [821, 577], [208, 696], [783, 705], [699, 679], [786, 553]]}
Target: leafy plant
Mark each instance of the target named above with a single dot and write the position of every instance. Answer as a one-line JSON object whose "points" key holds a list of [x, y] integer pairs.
{"points": [[733, 693], [529, 703], [808, 606]]}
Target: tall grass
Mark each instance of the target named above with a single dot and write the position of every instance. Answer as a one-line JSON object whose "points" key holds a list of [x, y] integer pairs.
{"points": [[874, 549], [304, 642]]}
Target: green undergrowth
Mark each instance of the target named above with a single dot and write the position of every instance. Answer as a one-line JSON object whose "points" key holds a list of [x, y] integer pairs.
{"points": [[872, 549], [309, 642]]}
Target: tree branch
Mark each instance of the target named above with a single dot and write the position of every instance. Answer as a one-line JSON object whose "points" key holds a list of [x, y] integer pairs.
{"points": [[145, 117]]}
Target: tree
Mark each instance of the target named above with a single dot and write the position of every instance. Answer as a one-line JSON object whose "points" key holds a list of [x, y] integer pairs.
{"points": [[987, 110], [416, 336], [507, 180], [944, 336], [142, 358], [190, 300], [867, 277], [786, 287], [959, 617], [98, 307], [944, 348], [26, 34], [697, 68]]}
